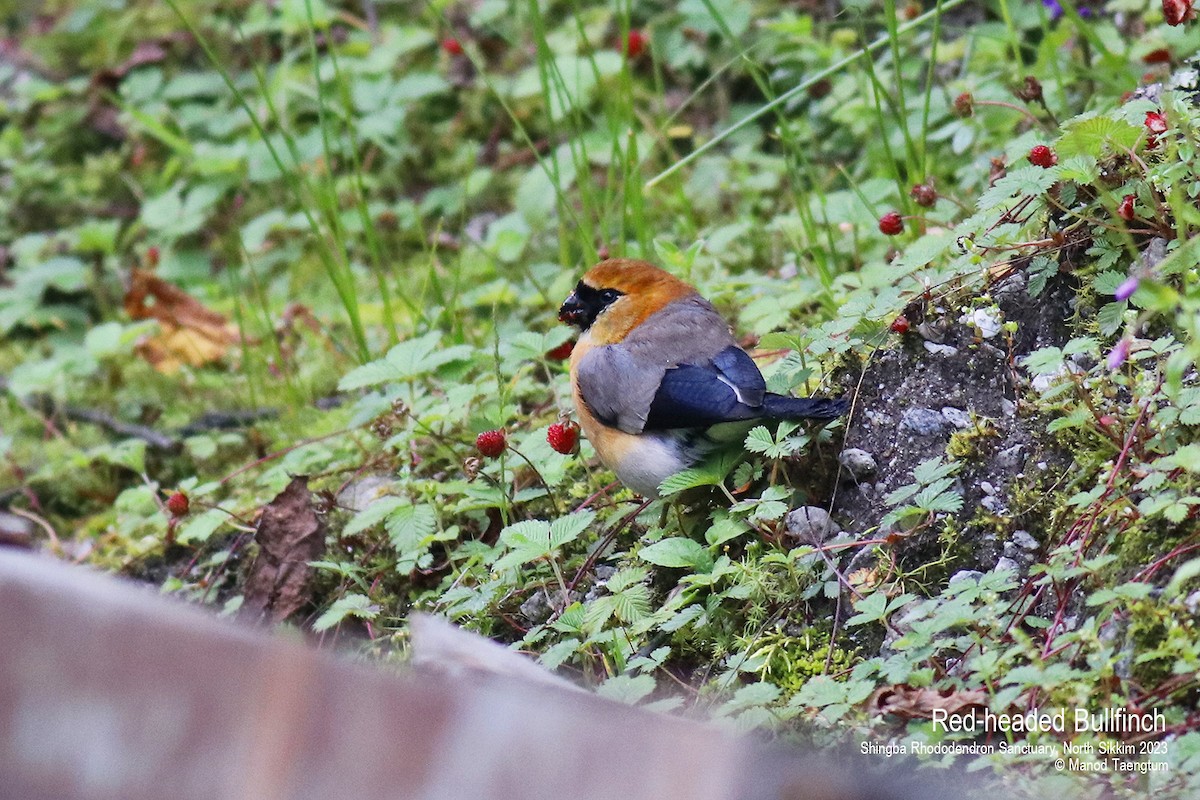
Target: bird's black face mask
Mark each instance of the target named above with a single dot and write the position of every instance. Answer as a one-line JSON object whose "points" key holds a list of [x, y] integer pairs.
{"points": [[586, 303]]}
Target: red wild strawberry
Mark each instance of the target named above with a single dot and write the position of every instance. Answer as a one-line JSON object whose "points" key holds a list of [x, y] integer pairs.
{"points": [[891, 223], [900, 325], [1042, 156], [491, 443], [152, 256], [563, 437], [923, 195], [1160, 56], [1125, 209], [562, 352], [452, 46], [178, 504], [1177, 12], [1156, 122], [635, 43], [964, 105]]}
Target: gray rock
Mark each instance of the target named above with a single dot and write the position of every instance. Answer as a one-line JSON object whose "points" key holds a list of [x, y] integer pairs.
{"points": [[879, 420], [922, 422], [966, 575], [943, 350], [811, 524], [859, 463], [987, 321], [1024, 540], [364, 491], [1008, 407], [1011, 457], [987, 488], [1192, 602], [994, 505], [957, 417], [1003, 563], [536, 609], [541, 604]]}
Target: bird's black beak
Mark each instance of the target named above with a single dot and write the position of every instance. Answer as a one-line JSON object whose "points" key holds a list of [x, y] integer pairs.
{"points": [[574, 311]]}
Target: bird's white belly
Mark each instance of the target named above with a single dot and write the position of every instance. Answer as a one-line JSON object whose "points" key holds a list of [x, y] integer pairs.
{"points": [[655, 457]]}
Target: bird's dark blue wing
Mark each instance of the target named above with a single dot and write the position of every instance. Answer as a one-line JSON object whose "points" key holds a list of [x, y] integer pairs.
{"points": [[738, 369], [694, 396]]}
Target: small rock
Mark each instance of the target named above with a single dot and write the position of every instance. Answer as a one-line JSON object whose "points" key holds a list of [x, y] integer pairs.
{"points": [[364, 491], [536, 609], [987, 487], [943, 350], [1014, 286], [987, 321], [1003, 564], [957, 417], [994, 505], [859, 463], [811, 524], [879, 420], [540, 605], [922, 421], [1192, 602], [1024, 540], [930, 332], [966, 575], [1043, 466], [1010, 458], [15, 531], [1008, 407]]}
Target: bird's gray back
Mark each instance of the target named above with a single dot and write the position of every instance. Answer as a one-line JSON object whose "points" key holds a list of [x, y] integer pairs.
{"points": [[619, 381]]}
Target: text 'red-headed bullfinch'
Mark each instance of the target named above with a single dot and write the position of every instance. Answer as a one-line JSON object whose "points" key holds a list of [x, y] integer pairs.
{"points": [[656, 366]]}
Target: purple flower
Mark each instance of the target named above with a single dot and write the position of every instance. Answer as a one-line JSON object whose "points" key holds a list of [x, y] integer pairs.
{"points": [[1056, 10], [1120, 352], [1126, 289]]}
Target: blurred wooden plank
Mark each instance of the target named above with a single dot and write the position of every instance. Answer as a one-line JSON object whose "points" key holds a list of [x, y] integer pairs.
{"points": [[110, 691]]}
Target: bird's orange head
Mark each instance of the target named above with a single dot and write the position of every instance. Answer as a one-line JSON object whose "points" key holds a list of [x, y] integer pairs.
{"points": [[617, 295]]}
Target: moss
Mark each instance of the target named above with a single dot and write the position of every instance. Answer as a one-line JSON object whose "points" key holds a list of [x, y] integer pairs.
{"points": [[792, 660], [967, 444]]}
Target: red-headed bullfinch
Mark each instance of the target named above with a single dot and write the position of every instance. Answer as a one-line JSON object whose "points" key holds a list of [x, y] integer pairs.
{"points": [[655, 367]]}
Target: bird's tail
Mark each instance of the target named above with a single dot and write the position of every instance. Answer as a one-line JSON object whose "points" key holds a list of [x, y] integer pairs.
{"points": [[777, 406]]}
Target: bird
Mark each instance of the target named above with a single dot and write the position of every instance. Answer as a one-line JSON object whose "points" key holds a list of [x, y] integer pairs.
{"points": [[656, 367]]}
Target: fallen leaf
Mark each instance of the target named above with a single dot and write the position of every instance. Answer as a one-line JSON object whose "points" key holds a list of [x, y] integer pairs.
{"points": [[190, 333], [144, 53], [289, 535], [912, 702]]}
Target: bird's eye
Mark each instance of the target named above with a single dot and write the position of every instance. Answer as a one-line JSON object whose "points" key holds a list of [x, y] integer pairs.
{"points": [[609, 296]]}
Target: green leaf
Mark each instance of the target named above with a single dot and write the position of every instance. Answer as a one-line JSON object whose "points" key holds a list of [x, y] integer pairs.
{"points": [[710, 472], [407, 524], [723, 530], [199, 528], [627, 688], [934, 469], [405, 361], [373, 514], [1187, 457], [567, 529], [1090, 137], [675, 552], [633, 604], [352, 605], [1111, 317]]}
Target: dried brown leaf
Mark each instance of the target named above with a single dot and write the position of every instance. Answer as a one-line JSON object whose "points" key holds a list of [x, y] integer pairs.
{"points": [[191, 333], [289, 535], [913, 702]]}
